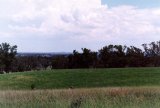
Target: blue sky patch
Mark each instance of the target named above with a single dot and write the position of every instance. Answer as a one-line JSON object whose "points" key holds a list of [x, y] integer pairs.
{"points": [[137, 3]]}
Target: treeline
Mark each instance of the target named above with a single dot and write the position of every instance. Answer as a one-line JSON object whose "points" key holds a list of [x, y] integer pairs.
{"points": [[110, 56]]}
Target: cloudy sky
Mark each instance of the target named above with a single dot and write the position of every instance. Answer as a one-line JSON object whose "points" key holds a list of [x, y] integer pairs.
{"points": [[64, 25]]}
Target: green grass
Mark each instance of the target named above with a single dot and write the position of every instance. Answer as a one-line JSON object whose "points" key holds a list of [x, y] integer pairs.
{"points": [[81, 78], [102, 88]]}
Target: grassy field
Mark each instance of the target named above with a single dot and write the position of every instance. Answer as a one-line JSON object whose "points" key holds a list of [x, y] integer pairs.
{"points": [[81, 78], [92, 88], [82, 98]]}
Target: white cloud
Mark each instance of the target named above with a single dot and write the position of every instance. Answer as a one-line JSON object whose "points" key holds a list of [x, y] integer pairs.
{"points": [[82, 21]]}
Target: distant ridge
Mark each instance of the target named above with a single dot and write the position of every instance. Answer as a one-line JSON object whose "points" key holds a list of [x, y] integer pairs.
{"points": [[43, 54]]}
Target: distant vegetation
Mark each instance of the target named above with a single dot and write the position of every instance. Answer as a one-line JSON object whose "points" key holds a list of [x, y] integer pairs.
{"points": [[110, 56]]}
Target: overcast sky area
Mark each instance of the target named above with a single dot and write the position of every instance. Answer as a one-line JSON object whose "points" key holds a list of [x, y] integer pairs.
{"points": [[65, 25]]}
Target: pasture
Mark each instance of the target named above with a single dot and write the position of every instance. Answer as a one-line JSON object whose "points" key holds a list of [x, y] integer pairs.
{"points": [[81, 78], [82, 88]]}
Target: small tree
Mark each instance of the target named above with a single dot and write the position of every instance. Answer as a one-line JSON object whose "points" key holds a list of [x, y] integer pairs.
{"points": [[7, 55]]}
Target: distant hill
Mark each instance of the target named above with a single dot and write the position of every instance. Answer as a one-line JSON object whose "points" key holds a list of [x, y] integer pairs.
{"points": [[51, 54]]}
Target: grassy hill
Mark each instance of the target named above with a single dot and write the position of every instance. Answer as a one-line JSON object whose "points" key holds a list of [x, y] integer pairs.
{"points": [[123, 88], [81, 78]]}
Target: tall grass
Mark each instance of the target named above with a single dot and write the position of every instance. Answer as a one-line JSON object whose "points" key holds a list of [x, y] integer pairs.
{"points": [[82, 98]]}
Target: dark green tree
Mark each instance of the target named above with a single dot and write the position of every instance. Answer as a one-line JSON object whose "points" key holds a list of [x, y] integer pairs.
{"points": [[59, 62], [135, 57], [152, 53], [89, 58], [112, 56], [7, 55]]}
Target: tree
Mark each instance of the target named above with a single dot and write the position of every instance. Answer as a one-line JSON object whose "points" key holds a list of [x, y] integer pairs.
{"points": [[75, 60], [86, 59], [152, 53], [104, 55], [89, 58], [60, 62], [7, 55], [135, 57], [112, 56]]}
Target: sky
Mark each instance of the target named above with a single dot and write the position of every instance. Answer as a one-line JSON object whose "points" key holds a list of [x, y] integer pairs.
{"points": [[136, 3], [65, 25]]}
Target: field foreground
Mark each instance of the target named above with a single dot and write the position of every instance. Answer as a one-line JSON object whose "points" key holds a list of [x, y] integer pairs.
{"points": [[134, 97]]}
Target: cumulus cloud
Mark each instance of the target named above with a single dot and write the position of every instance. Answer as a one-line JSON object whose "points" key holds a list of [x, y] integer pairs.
{"points": [[82, 21]]}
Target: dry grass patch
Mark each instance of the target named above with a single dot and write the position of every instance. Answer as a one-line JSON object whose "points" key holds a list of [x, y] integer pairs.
{"points": [[23, 77], [82, 98]]}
